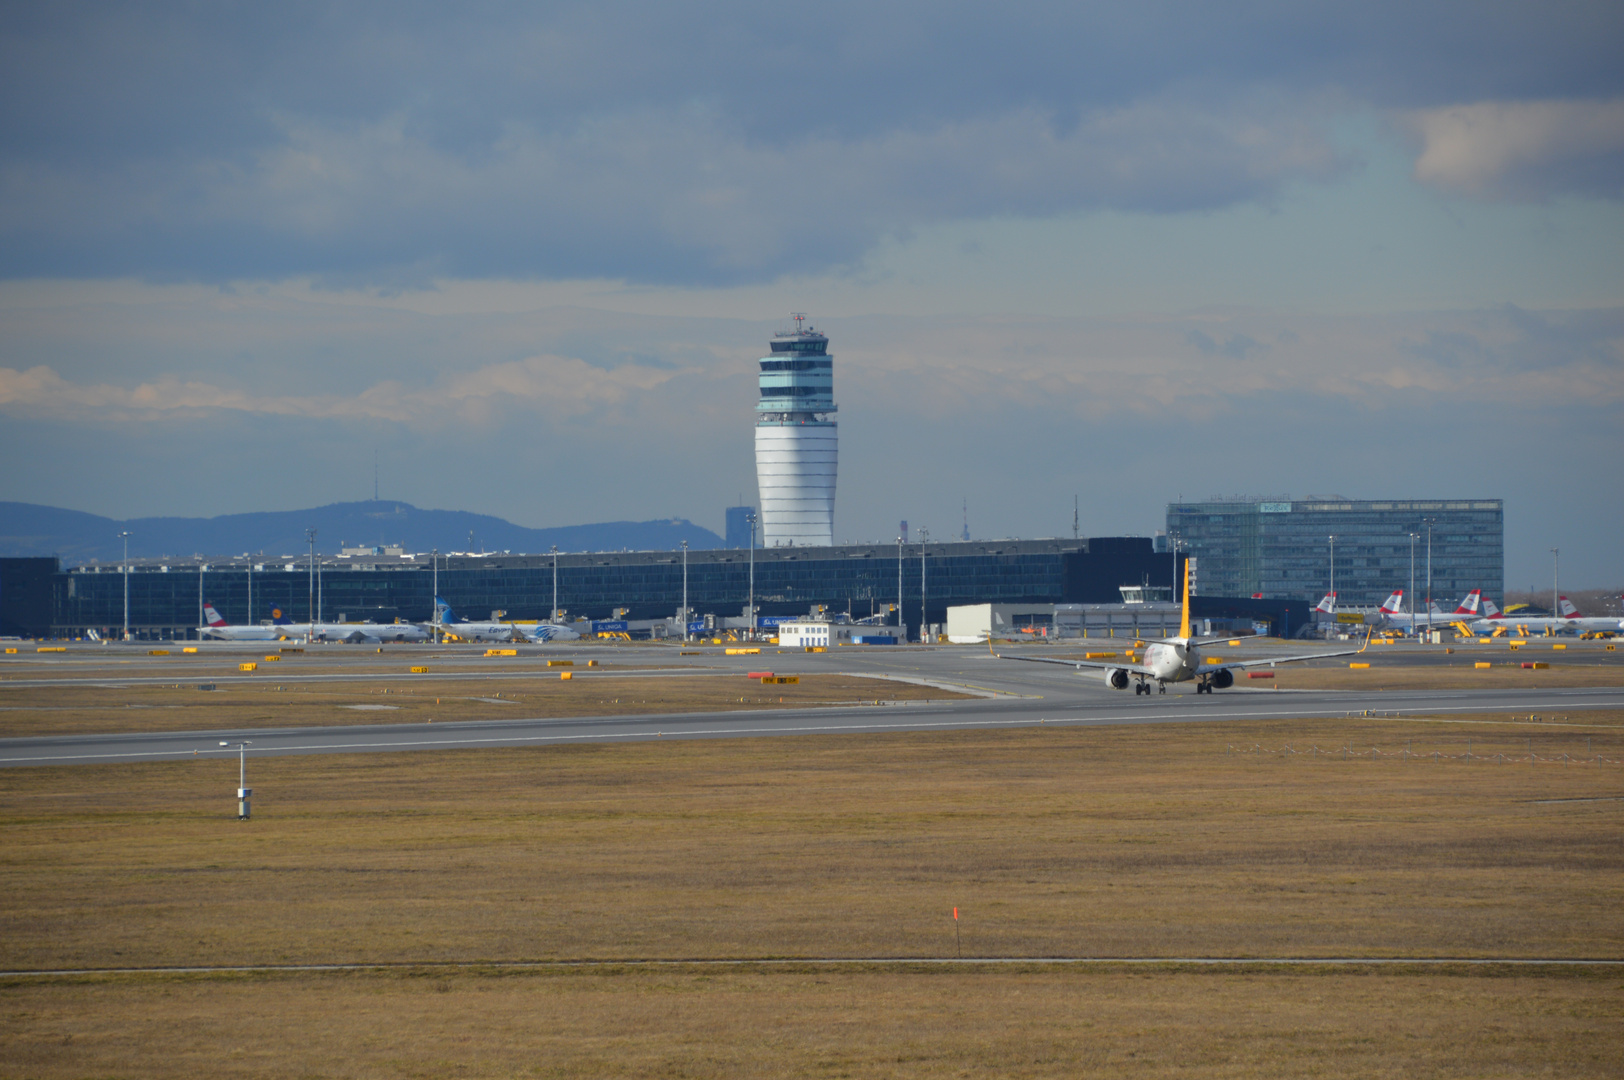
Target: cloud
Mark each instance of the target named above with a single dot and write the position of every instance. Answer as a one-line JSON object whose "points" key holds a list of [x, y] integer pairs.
{"points": [[656, 194], [713, 142], [1521, 150], [546, 388]]}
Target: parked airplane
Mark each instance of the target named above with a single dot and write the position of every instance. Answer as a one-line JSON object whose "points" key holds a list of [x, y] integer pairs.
{"points": [[452, 626], [281, 629], [221, 630], [1436, 616], [1178, 659], [1568, 620], [463, 630], [369, 633], [545, 632]]}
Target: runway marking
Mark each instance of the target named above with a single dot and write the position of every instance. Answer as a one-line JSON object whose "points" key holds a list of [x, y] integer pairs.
{"points": [[655, 731], [842, 961]]}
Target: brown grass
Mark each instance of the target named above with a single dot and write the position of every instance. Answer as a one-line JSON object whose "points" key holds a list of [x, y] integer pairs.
{"points": [[729, 1023], [52, 710], [1133, 841], [1053, 841]]}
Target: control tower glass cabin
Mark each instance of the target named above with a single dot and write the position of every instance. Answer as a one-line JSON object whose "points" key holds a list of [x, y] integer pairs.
{"points": [[796, 441]]}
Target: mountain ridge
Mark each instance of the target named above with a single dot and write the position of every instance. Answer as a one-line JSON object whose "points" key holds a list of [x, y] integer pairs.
{"points": [[31, 529]]}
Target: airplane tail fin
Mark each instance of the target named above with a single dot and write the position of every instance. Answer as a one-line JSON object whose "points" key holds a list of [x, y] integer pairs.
{"points": [[1395, 603], [1184, 620], [1327, 605], [279, 619], [443, 612], [1468, 606], [1565, 608], [211, 616], [1490, 611]]}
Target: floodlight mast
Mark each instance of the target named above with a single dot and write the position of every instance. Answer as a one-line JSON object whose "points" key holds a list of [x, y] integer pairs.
{"points": [[684, 612], [310, 606], [125, 536], [924, 541]]}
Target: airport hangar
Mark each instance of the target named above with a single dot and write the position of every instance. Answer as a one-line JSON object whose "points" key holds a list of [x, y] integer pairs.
{"points": [[166, 594]]}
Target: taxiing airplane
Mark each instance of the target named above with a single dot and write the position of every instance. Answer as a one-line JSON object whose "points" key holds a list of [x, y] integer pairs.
{"points": [[1178, 659]]}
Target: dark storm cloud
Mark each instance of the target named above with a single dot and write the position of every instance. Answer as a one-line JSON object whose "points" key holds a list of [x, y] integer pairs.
{"points": [[696, 143]]}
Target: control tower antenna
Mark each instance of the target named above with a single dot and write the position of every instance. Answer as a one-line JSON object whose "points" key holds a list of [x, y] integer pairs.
{"points": [[799, 317]]}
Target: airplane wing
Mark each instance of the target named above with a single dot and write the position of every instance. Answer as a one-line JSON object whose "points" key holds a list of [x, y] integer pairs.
{"points": [[1274, 660], [1079, 665]]}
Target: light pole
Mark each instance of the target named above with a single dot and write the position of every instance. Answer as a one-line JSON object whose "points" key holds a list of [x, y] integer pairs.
{"points": [[125, 536], [924, 539], [1429, 574], [250, 590], [684, 612], [245, 794], [310, 605], [1413, 538], [751, 519], [202, 568], [554, 619], [434, 622], [901, 625], [1556, 555], [1333, 569]]}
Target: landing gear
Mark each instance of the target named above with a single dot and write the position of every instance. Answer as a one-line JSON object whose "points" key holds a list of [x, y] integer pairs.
{"points": [[1203, 687]]}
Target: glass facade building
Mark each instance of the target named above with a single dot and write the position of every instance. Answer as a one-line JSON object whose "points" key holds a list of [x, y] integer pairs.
{"points": [[860, 578], [1282, 548]]}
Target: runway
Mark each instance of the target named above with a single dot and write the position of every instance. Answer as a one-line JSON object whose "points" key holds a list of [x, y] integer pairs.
{"points": [[1098, 708]]}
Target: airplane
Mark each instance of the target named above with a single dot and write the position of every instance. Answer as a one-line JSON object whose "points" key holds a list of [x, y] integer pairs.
{"points": [[1436, 616], [1567, 619], [220, 629], [463, 630], [1178, 659], [368, 633], [544, 632]]}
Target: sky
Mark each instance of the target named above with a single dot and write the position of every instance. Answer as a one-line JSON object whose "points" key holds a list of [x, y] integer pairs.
{"points": [[527, 255]]}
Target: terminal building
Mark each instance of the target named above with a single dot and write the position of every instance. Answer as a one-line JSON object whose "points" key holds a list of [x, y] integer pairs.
{"points": [[166, 596], [1282, 548]]}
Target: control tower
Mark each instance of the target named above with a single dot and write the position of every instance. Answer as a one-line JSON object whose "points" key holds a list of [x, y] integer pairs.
{"points": [[796, 441]]}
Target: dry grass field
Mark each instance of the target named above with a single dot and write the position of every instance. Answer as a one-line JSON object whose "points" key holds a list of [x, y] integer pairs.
{"points": [[53, 710], [728, 1023], [1052, 841]]}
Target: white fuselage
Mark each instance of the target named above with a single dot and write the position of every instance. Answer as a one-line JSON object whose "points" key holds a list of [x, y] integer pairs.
{"points": [[545, 632], [479, 631], [371, 633], [242, 633], [1556, 624], [1174, 660]]}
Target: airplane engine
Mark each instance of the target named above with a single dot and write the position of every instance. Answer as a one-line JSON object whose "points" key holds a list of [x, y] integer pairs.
{"points": [[1117, 679], [1223, 678]]}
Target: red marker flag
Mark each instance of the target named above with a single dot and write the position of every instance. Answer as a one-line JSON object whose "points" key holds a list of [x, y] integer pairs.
{"points": [[955, 914]]}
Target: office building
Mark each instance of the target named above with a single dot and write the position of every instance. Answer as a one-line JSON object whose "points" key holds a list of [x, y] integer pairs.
{"points": [[1282, 548]]}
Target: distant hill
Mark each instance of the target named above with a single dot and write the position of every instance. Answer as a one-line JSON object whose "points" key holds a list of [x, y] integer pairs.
{"points": [[28, 529]]}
